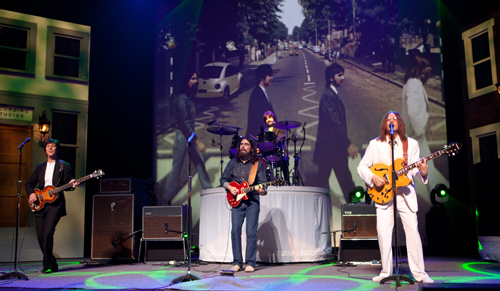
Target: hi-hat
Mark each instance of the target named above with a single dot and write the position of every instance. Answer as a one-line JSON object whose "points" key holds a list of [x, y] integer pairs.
{"points": [[287, 124], [220, 130]]}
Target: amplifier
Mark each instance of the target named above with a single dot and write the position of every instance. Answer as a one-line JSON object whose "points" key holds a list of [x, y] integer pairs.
{"points": [[123, 185], [164, 222], [364, 217]]}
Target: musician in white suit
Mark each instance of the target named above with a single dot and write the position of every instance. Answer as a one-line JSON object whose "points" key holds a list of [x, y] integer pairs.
{"points": [[379, 151]]}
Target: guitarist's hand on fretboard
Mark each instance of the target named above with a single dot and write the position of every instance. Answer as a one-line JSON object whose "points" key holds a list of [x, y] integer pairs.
{"points": [[422, 167], [260, 189]]}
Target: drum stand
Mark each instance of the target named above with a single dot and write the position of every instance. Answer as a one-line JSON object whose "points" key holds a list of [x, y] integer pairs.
{"points": [[221, 149], [297, 179]]}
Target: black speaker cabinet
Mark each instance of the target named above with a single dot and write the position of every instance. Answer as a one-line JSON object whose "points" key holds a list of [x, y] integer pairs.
{"points": [[164, 222], [360, 245], [165, 251], [365, 219], [114, 220]]}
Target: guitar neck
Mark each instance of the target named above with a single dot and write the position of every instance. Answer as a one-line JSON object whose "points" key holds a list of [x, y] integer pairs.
{"points": [[69, 185], [252, 188], [406, 169]]}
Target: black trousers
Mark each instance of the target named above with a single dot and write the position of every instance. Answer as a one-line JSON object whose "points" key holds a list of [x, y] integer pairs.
{"points": [[46, 222]]}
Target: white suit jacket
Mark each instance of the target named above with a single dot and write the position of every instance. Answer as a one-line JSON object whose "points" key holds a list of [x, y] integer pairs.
{"points": [[380, 152]]}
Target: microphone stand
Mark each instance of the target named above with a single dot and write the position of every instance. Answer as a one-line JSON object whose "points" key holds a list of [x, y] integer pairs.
{"points": [[188, 277], [396, 276], [16, 273]]}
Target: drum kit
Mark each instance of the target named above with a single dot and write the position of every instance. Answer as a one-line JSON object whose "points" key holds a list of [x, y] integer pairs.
{"points": [[273, 150]]}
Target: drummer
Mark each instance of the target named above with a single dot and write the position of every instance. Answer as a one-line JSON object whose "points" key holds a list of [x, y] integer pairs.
{"points": [[270, 119]]}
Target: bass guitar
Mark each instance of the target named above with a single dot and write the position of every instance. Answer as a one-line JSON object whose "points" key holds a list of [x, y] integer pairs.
{"points": [[383, 194], [244, 188], [49, 193]]}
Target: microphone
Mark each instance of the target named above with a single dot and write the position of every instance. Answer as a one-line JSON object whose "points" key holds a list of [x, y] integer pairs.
{"points": [[192, 136], [166, 228], [212, 122], [304, 127], [354, 224], [391, 126], [28, 139]]}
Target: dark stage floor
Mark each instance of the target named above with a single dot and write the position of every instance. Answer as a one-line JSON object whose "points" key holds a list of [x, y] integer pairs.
{"points": [[73, 275]]}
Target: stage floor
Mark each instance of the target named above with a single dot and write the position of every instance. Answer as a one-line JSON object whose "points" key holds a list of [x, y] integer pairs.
{"points": [[73, 274]]}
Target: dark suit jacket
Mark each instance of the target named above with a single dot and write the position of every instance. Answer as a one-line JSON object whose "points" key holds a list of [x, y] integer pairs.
{"points": [[38, 177], [331, 139], [257, 106]]}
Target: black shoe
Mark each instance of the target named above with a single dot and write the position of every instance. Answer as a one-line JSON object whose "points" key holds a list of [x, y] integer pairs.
{"points": [[46, 271]]}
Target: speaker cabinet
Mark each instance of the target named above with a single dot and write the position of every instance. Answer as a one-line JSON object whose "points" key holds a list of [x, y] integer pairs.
{"points": [[360, 245], [365, 219], [164, 222], [114, 220], [165, 251]]}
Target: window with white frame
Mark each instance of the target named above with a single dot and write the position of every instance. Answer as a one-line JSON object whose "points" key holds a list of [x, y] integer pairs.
{"points": [[17, 46], [480, 62], [483, 140], [67, 54]]}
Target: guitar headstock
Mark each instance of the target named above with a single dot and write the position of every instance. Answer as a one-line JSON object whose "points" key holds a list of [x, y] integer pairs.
{"points": [[97, 174], [452, 149]]}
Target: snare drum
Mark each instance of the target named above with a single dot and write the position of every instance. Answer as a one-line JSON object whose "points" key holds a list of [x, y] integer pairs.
{"points": [[266, 141]]}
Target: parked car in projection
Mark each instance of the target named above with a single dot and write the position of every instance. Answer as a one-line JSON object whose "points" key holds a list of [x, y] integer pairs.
{"points": [[219, 80]]}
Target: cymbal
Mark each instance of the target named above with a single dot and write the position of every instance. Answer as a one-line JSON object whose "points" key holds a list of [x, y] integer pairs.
{"points": [[287, 124], [220, 130]]}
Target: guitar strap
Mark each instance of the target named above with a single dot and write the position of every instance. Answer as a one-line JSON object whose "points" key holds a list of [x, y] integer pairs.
{"points": [[253, 173], [405, 152]]}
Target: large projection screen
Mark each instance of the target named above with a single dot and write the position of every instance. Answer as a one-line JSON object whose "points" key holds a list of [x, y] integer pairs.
{"points": [[375, 50]]}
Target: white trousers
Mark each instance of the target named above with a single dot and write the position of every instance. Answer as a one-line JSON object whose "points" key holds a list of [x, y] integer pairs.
{"points": [[385, 225]]}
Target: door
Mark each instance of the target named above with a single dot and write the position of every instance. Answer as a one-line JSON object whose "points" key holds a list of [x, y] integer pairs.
{"points": [[11, 136]]}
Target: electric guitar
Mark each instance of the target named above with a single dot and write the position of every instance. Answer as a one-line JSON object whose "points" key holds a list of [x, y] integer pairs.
{"points": [[244, 188], [383, 194], [49, 193]]}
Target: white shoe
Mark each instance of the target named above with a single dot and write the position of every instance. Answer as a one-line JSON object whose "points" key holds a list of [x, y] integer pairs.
{"points": [[235, 268], [426, 280], [378, 278]]}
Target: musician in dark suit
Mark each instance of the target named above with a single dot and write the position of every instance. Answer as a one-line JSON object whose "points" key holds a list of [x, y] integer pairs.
{"points": [[333, 146], [259, 100], [55, 173]]}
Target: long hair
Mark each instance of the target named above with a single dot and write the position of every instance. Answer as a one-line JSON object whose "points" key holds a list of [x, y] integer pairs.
{"points": [[253, 150], [268, 114], [330, 73], [418, 64], [383, 127]]}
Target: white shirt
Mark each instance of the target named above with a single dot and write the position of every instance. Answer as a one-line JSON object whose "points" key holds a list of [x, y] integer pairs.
{"points": [[49, 173], [380, 152]]}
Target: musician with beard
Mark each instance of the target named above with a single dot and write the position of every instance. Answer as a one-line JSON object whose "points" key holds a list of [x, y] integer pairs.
{"points": [[239, 170]]}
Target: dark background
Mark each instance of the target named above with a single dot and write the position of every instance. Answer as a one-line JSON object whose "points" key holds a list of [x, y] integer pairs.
{"points": [[120, 135]]}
